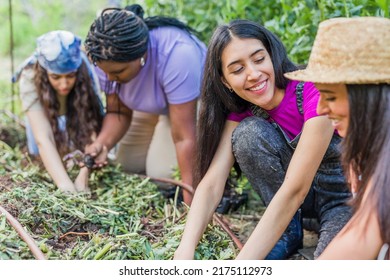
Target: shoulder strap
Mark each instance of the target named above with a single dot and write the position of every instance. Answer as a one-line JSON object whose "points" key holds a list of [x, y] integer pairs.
{"points": [[299, 94], [259, 112]]}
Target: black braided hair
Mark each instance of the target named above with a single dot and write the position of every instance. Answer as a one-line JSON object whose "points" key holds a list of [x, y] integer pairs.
{"points": [[122, 35]]}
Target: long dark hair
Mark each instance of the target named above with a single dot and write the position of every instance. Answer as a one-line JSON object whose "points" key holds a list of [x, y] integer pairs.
{"points": [[84, 114], [216, 99], [366, 148], [122, 35]]}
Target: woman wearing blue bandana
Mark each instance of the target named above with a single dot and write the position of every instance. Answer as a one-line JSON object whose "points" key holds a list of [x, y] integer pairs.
{"points": [[60, 98]]}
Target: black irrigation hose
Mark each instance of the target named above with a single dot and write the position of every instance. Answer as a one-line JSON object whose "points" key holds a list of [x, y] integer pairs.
{"points": [[190, 189], [24, 235]]}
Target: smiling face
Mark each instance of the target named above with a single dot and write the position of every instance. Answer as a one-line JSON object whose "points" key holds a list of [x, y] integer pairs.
{"points": [[121, 72], [334, 103], [247, 69], [62, 83]]}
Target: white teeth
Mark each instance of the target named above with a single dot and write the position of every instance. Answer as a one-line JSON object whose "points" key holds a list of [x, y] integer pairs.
{"points": [[262, 85]]}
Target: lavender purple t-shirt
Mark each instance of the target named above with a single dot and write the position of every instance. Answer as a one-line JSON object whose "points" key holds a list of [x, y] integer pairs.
{"points": [[171, 75], [286, 115]]}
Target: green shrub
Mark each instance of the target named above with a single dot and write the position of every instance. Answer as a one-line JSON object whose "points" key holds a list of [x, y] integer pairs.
{"points": [[294, 21]]}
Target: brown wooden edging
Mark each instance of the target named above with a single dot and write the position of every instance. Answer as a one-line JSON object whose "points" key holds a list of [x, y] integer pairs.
{"points": [[38, 254]]}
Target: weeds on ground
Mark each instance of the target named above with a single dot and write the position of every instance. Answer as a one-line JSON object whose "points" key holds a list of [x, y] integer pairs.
{"points": [[124, 216]]}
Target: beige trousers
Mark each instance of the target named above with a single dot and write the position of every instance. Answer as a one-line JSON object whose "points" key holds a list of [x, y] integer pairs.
{"points": [[147, 147]]}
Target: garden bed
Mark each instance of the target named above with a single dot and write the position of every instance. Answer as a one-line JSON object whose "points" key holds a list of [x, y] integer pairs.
{"points": [[124, 217]]}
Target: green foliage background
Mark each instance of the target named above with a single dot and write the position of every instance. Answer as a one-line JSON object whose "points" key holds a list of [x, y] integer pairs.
{"points": [[294, 21]]}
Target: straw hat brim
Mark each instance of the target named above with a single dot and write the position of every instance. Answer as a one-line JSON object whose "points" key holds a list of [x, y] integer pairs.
{"points": [[334, 76], [349, 51]]}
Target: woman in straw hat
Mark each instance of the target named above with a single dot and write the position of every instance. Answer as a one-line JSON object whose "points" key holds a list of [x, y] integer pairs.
{"points": [[150, 70], [61, 102], [350, 65], [254, 118]]}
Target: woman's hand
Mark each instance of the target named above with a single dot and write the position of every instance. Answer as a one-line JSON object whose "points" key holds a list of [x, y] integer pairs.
{"points": [[67, 187], [99, 152], [207, 195]]}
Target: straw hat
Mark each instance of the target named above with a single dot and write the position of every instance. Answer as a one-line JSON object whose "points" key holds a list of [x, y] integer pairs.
{"points": [[349, 51]]}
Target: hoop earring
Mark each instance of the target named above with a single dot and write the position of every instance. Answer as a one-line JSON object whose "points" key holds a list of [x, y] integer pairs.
{"points": [[142, 61], [230, 89]]}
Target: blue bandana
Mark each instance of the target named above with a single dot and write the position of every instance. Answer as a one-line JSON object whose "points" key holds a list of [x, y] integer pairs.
{"points": [[59, 52]]}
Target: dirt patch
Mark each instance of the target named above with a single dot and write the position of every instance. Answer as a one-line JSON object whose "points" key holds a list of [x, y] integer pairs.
{"points": [[11, 135], [5, 183]]}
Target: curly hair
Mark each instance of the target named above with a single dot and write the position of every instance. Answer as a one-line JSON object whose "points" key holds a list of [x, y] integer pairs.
{"points": [[84, 115]]}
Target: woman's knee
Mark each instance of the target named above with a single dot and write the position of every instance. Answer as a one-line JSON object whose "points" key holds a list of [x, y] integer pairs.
{"points": [[249, 132], [255, 135]]}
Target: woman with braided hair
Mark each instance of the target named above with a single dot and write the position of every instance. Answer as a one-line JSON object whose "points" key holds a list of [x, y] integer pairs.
{"points": [[150, 70], [59, 91]]}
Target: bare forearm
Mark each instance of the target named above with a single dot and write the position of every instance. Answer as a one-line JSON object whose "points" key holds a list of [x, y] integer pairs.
{"points": [[207, 195], [54, 166], [183, 123], [113, 129], [81, 182], [51, 159], [185, 155], [203, 206]]}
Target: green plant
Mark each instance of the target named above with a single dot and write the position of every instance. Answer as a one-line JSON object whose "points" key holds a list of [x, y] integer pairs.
{"points": [[294, 21]]}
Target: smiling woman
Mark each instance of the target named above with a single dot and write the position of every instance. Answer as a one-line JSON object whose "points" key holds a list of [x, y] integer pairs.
{"points": [[251, 76], [350, 65], [266, 126], [333, 102]]}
